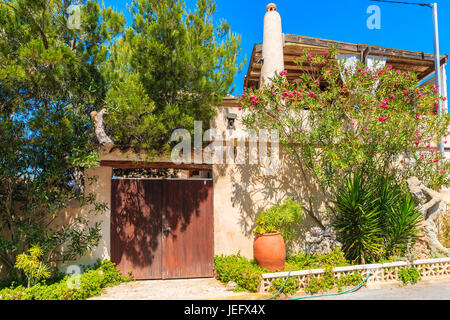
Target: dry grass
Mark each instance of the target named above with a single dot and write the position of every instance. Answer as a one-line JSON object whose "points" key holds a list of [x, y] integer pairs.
{"points": [[444, 234]]}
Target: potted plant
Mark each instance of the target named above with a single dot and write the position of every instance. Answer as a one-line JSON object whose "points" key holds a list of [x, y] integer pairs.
{"points": [[274, 226]]}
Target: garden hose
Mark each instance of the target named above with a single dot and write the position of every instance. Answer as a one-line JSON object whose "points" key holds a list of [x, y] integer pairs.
{"points": [[281, 288], [320, 295]]}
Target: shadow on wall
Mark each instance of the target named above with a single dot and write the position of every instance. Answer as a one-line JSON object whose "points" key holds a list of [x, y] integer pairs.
{"points": [[253, 192]]}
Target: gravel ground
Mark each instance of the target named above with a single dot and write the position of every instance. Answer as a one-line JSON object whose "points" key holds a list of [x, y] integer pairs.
{"points": [[424, 290], [212, 289], [184, 289]]}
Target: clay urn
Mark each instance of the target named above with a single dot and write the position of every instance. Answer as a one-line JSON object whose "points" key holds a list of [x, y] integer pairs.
{"points": [[269, 251]]}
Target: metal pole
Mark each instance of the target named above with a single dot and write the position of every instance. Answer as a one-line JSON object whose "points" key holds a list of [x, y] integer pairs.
{"points": [[437, 65]]}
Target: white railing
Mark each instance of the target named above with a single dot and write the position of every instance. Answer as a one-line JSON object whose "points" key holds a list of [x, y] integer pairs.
{"points": [[383, 272]]}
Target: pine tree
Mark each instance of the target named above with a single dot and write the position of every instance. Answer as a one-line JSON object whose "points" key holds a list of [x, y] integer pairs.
{"points": [[50, 80], [168, 70]]}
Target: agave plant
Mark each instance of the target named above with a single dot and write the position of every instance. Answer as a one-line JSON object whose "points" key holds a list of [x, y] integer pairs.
{"points": [[374, 221], [356, 221], [400, 226]]}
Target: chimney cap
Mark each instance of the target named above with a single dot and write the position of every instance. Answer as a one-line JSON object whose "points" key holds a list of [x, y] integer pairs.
{"points": [[271, 7]]}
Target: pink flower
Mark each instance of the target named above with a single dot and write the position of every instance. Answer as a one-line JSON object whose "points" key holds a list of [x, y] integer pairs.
{"points": [[320, 101], [309, 56], [444, 98], [417, 142], [353, 123], [239, 108], [325, 53], [316, 81], [359, 69], [325, 61], [404, 91], [417, 116], [436, 160]]}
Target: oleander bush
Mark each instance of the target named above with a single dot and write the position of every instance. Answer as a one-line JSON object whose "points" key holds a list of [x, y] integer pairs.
{"points": [[342, 120], [91, 283]]}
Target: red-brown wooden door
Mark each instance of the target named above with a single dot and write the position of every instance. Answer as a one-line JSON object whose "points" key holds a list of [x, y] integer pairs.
{"points": [[188, 229], [162, 229]]}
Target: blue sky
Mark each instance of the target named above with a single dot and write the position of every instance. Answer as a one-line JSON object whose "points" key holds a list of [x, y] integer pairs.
{"points": [[402, 26]]}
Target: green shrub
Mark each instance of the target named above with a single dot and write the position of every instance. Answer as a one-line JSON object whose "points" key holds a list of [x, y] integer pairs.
{"points": [[409, 275], [290, 287], [92, 283], [302, 261], [33, 269], [246, 273], [322, 283], [349, 280], [285, 218]]}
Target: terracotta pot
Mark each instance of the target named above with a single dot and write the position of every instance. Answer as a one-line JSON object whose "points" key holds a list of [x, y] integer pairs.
{"points": [[269, 251]]}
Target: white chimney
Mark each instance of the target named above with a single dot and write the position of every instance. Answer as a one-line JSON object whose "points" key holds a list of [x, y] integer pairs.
{"points": [[272, 48]]}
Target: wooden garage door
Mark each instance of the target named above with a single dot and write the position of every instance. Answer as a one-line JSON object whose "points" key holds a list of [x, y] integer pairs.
{"points": [[162, 229]]}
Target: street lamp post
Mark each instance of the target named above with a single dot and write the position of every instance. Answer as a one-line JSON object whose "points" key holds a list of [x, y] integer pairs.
{"points": [[437, 65]]}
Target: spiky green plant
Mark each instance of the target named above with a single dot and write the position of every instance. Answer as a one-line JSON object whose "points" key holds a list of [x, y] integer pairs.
{"points": [[356, 220], [400, 225]]}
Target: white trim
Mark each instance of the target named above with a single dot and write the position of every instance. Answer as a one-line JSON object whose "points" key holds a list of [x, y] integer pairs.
{"points": [[356, 267]]}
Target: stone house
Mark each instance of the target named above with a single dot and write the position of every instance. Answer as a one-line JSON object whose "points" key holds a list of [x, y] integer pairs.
{"points": [[172, 226]]}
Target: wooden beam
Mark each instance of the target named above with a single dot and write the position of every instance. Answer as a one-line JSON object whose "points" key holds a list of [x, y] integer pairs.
{"points": [[153, 165]]}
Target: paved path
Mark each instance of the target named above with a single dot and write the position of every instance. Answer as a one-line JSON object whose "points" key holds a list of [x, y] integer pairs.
{"points": [[424, 290], [184, 289], [212, 289]]}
